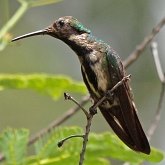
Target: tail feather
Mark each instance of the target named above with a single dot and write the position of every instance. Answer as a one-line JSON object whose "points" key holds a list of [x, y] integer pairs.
{"points": [[125, 123]]}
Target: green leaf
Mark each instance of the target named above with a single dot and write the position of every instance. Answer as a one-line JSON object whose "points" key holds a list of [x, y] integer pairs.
{"points": [[52, 85], [47, 146], [13, 144], [109, 145], [68, 160], [69, 153], [48, 152], [53, 161], [99, 147], [97, 161]]}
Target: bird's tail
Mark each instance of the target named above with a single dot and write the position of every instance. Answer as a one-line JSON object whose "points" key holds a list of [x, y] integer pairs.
{"points": [[124, 121]]}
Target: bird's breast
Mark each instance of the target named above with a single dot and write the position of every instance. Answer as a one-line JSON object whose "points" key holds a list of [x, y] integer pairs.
{"points": [[99, 66]]}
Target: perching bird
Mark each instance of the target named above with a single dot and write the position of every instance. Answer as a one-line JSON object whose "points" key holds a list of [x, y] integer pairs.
{"points": [[101, 69]]}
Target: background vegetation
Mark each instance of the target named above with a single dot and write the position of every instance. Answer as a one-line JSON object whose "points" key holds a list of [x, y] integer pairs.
{"points": [[123, 24]]}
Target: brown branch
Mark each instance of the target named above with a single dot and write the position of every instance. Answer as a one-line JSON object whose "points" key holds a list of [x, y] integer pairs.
{"points": [[89, 116], [85, 140], [92, 112], [140, 48], [69, 97]]}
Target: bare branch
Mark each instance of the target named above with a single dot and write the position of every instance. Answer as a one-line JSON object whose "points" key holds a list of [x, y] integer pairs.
{"points": [[140, 48], [82, 154], [154, 49], [89, 116], [69, 97], [156, 118]]}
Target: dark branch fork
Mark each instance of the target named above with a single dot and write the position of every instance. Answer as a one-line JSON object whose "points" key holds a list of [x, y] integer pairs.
{"points": [[89, 116]]}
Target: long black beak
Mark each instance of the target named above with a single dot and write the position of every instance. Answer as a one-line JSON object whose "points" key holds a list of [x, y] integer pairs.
{"points": [[39, 32]]}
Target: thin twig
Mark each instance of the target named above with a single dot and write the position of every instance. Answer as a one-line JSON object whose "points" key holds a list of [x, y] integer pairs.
{"points": [[140, 48], [91, 114], [89, 117], [69, 97], [59, 120], [61, 142], [159, 69], [85, 140], [156, 119]]}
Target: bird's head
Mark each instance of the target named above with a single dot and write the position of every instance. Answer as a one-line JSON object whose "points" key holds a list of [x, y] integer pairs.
{"points": [[62, 28]]}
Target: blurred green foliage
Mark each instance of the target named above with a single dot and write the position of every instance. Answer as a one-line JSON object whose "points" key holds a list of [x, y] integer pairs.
{"points": [[100, 147], [52, 85], [5, 37], [120, 17]]}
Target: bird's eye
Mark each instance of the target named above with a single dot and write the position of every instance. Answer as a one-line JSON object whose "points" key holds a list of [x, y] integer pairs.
{"points": [[61, 23]]}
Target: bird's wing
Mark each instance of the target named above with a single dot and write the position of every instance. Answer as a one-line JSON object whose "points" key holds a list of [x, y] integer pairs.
{"points": [[123, 117]]}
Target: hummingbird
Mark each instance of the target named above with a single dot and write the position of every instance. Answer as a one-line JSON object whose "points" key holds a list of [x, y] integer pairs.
{"points": [[101, 69]]}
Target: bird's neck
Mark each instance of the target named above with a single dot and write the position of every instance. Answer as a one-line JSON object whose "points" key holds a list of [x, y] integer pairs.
{"points": [[79, 44], [84, 44]]}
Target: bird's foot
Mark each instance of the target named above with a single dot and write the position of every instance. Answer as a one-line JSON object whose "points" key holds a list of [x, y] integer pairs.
{"points": [[92, 110]]}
